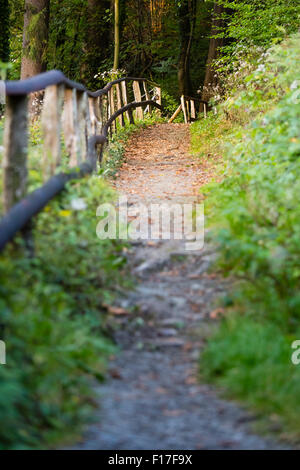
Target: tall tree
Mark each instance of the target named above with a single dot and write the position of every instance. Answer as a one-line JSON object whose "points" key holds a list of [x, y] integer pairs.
{"points": [[157, 9], [186, 12], [4, 31], [35, 37], [97, 40], [117, 35], [216, 42]]}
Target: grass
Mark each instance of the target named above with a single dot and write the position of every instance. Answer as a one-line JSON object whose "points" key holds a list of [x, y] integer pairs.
{"points": [[250, 360], [252, 210]]}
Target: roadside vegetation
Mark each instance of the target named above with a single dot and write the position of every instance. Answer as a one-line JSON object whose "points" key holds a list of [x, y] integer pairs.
{"points": [[53, 314], [53, 320], [254, 218], [54, 306]]}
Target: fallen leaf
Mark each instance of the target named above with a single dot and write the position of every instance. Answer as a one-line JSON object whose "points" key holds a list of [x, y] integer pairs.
{"points": [[218, 312], [115, 374], [191, 380], [116, 310]]}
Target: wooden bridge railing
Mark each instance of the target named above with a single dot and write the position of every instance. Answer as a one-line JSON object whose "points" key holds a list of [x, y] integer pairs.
{"points": [[84, 119], [188, 106]]}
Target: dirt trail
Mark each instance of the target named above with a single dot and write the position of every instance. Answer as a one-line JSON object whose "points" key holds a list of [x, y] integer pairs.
{"points": [[158, 166], [153, 399]]}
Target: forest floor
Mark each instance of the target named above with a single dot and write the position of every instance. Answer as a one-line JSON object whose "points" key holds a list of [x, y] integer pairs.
{"points": [[153, 398]]}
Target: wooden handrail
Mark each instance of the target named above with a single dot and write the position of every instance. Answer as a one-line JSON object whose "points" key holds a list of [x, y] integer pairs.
{"points": [[86, 119], [56, 77], [187, 106]]}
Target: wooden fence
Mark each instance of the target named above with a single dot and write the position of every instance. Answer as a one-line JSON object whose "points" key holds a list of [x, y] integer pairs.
{"points": [[70, 113], [190, 108]]}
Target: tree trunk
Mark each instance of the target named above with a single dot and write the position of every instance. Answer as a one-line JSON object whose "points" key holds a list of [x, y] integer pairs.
{"points": [[35, 37], [186, 16], [97, 44], [210, 80], [117, 35], [4, 31], [141, 56]]}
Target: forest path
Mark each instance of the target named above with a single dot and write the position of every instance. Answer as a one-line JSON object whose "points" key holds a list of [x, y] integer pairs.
{"points": [[153, 398]]}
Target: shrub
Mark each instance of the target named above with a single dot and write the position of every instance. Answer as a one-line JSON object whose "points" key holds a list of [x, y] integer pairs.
{"points": [[254, 217], [53, 323]]}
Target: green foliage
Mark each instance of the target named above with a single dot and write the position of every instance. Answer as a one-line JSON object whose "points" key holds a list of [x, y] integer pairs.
{"points": [[254, 217], [35, 35], [252, 361], [67, 36], [114, 154], [250, 29], [208, 135], [256, 205], [4, 31], [52, 319], [16, 37], [170, 104], [261, 23], [81, 41]]}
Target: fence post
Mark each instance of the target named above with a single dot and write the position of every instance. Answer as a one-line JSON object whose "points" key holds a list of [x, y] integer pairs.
{"points": [[51, 125], [138, 98], [111, 95], [187, 104], [147, 96], [182, 99], [125, 97], [131, 118], [15, 150], [175, 114], [158, 98], [105, 108], [70, 125], [93, 117], [120, 104], [193, 110], [82, 114]]}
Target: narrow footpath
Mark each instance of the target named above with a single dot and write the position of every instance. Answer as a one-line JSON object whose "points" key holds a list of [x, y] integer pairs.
{"points": [[153, 398]]}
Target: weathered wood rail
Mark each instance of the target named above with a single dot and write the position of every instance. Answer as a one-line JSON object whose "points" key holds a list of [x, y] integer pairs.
{"points": [[71, 113], [189, 109]]}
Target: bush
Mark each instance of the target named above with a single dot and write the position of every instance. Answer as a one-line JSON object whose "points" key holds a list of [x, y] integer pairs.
{"points": [[256, 205], [53, 323], [251, 28], [254, 216], [260, 23]]}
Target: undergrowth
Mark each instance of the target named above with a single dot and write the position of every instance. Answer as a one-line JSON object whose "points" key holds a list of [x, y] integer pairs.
{"points": [[53, 305], [53, 320], [254, 219]]}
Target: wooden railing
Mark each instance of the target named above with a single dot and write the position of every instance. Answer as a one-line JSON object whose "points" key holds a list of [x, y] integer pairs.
{"points": [[83, 119], [190, 108]]}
